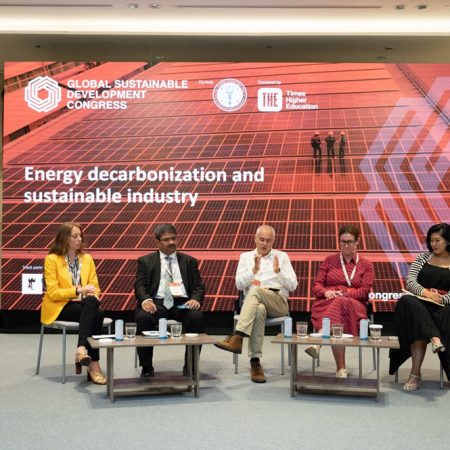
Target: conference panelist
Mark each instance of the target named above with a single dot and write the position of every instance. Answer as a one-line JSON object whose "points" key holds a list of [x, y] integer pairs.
{"points": [[168, 285], [342, 287], [266, 276], [423, 315], [72, 294]]}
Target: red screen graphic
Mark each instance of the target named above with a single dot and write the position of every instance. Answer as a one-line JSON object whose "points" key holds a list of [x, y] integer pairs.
{"points": [[218, 149]]}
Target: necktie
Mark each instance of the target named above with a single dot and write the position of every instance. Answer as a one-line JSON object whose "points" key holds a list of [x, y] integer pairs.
{"points": [[168, 278]]}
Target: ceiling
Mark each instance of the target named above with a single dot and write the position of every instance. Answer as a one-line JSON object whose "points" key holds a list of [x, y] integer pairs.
{"points": [[226, 30]]}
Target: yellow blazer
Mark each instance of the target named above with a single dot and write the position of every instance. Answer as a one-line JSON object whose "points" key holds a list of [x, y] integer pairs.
{"points": [[59, 287]]}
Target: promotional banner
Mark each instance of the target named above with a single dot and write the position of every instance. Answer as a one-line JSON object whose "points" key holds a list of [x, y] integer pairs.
{"points": [[218, 149]]}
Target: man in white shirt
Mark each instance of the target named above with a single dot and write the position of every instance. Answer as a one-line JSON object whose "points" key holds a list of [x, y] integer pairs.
{"points": [[266, 276]]}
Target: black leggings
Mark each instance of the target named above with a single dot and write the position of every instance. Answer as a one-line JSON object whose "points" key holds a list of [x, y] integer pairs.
{"points": [[90, 317]]}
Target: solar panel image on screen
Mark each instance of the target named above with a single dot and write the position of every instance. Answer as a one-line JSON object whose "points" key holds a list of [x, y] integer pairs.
{"points": [[218, 149]]}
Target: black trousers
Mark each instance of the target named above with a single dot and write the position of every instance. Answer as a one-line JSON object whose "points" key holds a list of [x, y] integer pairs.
{"points": [[90, 317], [193, 322]]}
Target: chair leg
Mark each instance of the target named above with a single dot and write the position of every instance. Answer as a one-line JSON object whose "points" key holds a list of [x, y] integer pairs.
{"points": [[374, 359], [282, 350], [41, 338], [235, 355], [64, 356], [441, 376], [135, 357], [396, 377]]}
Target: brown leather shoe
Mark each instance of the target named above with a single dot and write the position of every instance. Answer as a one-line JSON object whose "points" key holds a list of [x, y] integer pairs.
{"points": [[232, 343], [257, 374]]}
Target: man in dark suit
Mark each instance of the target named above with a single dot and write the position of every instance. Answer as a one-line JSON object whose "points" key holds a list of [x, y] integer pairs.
{"points": [[168, 285]]}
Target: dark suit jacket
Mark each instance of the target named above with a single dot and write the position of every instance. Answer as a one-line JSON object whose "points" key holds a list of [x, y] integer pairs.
{"points": [[149, 274]]}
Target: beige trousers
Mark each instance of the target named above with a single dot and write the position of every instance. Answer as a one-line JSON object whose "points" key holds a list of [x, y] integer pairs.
{"points": [[258, 304]]}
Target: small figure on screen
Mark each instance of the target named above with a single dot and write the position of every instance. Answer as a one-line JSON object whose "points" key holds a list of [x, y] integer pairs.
{"points": [[72, 294], [342, 144], [315, 144], [266, 277], [31, 281], [168, 285], [330, 140], [423, 315]]}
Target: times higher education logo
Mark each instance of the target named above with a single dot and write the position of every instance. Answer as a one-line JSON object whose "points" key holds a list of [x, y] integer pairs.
{"points": [[270, 99], [43, 94]]}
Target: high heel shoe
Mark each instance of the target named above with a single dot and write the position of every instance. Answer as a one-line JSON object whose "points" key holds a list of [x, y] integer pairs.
{"points": [[96, 377], [411, 384], [81, 359], [437, 347]]}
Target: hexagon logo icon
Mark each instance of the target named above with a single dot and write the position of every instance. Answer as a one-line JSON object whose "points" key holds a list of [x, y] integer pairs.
{"points": [[43, 94]]}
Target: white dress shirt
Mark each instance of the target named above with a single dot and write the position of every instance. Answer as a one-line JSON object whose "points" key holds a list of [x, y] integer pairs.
{"points": [[285, 280], [175, 273]]}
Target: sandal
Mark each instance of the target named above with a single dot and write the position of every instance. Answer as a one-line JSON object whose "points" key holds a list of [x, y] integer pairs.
{"points": [[342, 373], [411, 384], [435, 348], [313, 351]]}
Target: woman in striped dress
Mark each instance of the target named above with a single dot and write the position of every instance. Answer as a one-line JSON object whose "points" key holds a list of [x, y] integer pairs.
{"points": [[424, 316], [342, 287]]}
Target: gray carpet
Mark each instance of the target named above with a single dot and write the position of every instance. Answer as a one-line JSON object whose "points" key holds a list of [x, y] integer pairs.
{"points": [[38, 412]]}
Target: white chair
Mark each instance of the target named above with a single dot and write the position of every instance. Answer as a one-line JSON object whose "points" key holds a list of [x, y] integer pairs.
{"points": [[169, 323], [270, 322], [64, 326]]}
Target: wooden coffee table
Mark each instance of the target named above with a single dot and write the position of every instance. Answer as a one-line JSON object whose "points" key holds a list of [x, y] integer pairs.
{"points": [[162, 380], [332, 385]]}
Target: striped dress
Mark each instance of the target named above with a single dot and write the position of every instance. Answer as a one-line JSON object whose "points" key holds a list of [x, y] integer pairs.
{"points": [[352, 306]]}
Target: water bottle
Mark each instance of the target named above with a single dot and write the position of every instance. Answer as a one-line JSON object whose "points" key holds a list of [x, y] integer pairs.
{"points": [[163, 328], [118, 328], [364, 329], [325, 327], [288, 327]]}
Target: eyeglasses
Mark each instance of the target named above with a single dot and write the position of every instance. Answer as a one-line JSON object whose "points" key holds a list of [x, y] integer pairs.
{"points": [[347, 243]]}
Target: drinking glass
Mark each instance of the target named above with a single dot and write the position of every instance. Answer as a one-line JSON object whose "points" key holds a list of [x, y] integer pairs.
{"points": [[337, 329], [302, 329], [130, 330], [375, 332], [175, 331]]}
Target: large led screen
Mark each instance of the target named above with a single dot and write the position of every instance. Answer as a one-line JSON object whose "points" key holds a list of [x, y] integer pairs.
{"points": [[218, 149]]}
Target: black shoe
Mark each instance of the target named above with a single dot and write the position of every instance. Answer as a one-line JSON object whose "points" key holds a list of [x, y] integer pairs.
{"points": [[147, 372]]}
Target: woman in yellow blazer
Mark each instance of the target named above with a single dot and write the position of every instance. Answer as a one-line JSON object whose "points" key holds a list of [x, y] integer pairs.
{"points": [[72, 294]]}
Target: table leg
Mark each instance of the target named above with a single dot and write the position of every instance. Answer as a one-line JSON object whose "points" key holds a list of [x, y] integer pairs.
{"points": [[378, 371], [110, 373], [197, 370], [360, 361], [293, 350], [189, 360]]}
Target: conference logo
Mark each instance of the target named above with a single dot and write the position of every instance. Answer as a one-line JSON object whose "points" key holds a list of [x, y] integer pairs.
{"points": [[270, 99], [229, 95], [43, 94]]}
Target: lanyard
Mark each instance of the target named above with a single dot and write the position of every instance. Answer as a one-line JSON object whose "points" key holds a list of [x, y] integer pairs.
{"points": [[344, 269], [75, 270]]}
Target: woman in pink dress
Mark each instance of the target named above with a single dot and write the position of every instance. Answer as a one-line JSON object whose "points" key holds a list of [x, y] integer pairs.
{"points": [[342, 287]]}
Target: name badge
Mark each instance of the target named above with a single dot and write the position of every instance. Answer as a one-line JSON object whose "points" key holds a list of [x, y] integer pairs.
{"points": [[176, 289]]}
